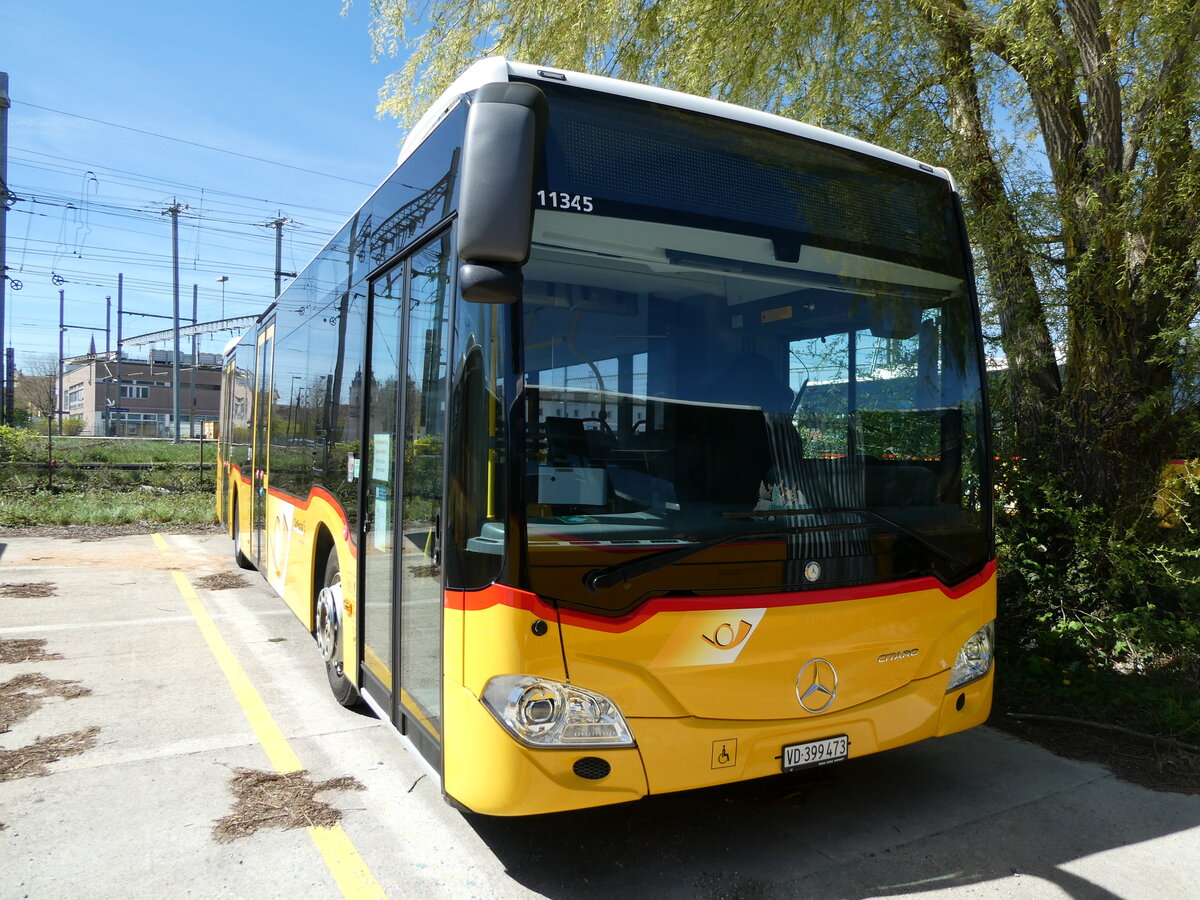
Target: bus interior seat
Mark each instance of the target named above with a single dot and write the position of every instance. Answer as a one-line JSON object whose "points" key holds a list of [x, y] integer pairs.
{"points": [[722, 455]]}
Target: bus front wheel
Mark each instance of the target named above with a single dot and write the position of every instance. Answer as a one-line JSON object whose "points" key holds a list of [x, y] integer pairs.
{"points": [[329, 632]]}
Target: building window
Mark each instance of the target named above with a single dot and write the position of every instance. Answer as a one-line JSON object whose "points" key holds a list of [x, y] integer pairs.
{"points": [[135, 392]]}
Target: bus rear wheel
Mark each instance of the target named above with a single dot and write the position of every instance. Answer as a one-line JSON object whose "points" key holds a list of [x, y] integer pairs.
{"points": [[329, 632]]}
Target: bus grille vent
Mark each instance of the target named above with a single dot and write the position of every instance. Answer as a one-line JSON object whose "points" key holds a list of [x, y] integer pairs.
{"points": [[592, 768]]}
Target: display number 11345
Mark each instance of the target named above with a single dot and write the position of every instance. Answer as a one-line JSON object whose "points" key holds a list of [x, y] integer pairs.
{"points": [[563, 200]]}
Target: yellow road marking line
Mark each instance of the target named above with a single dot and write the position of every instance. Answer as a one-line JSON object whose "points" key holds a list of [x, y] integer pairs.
{"points": [[348, 868]]}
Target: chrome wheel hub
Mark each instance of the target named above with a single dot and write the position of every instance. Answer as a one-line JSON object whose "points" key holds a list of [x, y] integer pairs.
{"points": [[329, 603]]}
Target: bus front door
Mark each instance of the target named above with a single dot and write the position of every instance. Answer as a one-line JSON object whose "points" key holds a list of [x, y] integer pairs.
{"points": [[403, 475]]}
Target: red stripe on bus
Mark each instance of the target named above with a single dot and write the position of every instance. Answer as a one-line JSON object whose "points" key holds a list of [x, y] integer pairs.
{"points": [[305, 503], [234, 467], [501, 595]]}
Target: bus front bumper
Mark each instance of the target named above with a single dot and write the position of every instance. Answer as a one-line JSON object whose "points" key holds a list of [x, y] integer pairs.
{"points": [[489, 772]]}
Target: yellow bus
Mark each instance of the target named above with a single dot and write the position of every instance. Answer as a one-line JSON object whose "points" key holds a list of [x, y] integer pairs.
{"points": [[627, 442]]}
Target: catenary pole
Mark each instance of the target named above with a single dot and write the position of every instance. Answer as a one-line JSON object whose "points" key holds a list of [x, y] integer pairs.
{"points": [[277, 223], [174, 210], [108, 401], [120, 314], [5, 386], [192, 407], [62, 329]]}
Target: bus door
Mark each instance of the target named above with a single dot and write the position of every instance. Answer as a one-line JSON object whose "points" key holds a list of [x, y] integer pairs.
{"points": [[403, 474], [264, 404]]}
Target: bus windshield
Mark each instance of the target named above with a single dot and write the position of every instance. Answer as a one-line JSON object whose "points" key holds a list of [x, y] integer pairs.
{"points": [[722, 399]]}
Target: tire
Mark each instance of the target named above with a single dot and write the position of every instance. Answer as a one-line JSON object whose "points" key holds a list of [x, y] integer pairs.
{"points": [[242, 560], [328, 632]]}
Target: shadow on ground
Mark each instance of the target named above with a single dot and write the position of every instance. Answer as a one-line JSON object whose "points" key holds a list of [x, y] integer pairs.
{"points": [[958, 811]]}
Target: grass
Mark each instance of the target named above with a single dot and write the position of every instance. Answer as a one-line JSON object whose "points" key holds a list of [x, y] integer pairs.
{"points": [[93, 507], [178, 490], [28, 446]]}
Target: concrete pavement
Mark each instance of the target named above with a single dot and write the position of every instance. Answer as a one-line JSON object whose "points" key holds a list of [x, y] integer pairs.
{"points": [[975, 815]]}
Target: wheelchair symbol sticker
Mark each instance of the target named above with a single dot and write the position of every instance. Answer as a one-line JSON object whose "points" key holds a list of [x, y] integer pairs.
{"points": [[724, 753]]}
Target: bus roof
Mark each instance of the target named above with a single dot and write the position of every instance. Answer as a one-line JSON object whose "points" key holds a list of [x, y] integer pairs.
{"points": [[237, 339], [496, 69]]}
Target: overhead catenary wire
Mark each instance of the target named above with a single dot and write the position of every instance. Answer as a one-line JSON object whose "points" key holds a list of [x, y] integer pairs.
{"points": [[167, 137], [82, 235], [142, 212], [140, 180], [313, 246]]}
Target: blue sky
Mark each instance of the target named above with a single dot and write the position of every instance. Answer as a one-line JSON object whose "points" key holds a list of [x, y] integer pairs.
{"points": [[284, 82]]}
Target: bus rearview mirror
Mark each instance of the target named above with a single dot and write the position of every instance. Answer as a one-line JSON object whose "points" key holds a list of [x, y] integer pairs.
{"points": [[495, 209]]}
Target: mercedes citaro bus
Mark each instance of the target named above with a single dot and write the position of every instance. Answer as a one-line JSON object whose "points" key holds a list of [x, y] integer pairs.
{"points": [[626, 442]]}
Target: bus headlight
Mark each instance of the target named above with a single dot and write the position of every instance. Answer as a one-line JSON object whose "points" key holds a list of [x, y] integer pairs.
{"points": [[975, 658], [539, 712]]}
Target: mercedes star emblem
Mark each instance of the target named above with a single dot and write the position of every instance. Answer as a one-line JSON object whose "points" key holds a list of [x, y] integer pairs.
{"points": [[817, 685]]}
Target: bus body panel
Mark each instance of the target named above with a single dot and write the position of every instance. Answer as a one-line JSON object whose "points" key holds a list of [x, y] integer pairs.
{"points": [[239, 506], [292, 563], [686, 753], [742, 661], [453, 639], [499, 636], [489, 772]]}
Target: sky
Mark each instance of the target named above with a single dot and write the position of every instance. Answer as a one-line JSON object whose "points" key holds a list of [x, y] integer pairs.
{"points": [[280, 93]]}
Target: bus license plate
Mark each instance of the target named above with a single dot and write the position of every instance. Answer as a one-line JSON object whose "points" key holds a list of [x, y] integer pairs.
{"points": [[815, 753]]}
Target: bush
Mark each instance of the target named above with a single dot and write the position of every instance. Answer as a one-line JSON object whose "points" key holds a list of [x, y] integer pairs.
{"points": [[19, 444], [1078, 587]]}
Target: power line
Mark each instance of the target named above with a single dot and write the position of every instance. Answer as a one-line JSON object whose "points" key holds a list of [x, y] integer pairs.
{"points": [[207, 242], [49, 198], [102, 280], [142, 181], [145, 216], [167, 137]]}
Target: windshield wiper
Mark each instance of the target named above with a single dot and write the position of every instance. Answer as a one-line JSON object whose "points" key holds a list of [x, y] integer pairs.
{"points": [[950, 554], [622, 573]]}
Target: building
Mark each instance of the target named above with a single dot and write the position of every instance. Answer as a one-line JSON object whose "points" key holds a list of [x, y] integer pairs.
{"points": [[107, 395]]}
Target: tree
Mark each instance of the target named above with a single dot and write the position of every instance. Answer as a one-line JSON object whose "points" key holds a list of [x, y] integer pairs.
{"points": [[36, 388], [1071, 126]]}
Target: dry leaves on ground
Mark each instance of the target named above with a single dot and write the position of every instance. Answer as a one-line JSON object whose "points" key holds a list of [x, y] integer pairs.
{"points": [[273, 800]]}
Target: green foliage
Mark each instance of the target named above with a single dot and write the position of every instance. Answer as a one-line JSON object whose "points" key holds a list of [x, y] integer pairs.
{"points": [[18, 444], [1097, 620], [1156, 702], [423, 478], [1075, 584]]}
